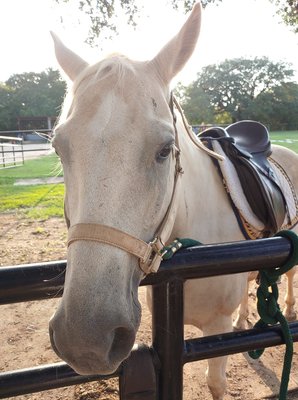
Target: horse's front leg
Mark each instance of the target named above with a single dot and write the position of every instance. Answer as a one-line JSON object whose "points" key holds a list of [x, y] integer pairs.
{"points": [[216, 371], [242, 313], [289, 311]]}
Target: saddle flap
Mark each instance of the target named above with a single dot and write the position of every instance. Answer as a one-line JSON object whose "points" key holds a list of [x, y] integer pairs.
{"points": [[262, 193]]}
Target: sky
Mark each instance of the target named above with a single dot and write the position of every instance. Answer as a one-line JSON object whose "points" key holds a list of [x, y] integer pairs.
{"points": [[235, 28]]}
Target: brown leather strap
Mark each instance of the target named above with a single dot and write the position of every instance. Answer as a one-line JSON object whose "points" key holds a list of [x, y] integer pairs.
{"points": [[149, 254], [112, 236]]}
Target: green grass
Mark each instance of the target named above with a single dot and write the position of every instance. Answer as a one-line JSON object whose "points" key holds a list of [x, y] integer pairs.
{"points": [[288, 139], [42, 167], [37, 202], [34, 201]]}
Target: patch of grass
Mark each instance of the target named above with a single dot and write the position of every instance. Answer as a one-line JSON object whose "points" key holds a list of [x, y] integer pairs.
{"points": [[36, 202], [287, 139], [43, 167]]}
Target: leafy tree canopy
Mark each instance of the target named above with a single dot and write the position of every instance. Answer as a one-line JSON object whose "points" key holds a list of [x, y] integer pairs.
{"points": [[101, 12], [278, 107], [232, 88], [30, 94]]}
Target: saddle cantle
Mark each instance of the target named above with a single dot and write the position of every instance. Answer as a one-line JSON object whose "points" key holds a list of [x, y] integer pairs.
{"points": [[247, 145]]}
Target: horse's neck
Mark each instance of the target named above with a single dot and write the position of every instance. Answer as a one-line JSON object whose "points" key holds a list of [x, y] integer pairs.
{"points": [[204, 210]]}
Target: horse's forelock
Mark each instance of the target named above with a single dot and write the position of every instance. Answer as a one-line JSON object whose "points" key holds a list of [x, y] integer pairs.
{"points": [[116, 65]]}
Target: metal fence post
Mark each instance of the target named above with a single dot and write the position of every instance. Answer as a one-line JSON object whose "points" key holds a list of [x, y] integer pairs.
{"points": [[3, 156], [138, 378], [168, 337]]}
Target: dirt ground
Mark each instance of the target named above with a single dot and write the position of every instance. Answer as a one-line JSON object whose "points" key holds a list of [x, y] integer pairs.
{"points": [[25, 342]]}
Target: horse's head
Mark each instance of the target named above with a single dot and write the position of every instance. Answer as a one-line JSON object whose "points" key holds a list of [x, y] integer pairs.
{"points": [[117, 147]]}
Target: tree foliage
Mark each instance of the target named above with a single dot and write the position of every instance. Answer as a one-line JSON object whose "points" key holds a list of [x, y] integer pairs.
{"points": [[277, 108], [101, 13], [288, 10], [30, 94], [241, 88], [233, 85]]}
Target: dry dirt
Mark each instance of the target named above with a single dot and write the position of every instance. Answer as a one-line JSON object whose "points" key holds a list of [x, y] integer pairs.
{"points": [[25, 342]]}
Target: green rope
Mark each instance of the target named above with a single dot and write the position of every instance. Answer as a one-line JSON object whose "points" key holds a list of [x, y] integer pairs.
{"points": [[269, 310], [267, 295]]}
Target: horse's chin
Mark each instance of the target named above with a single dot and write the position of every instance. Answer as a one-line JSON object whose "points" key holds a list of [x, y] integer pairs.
{"points": [[88, 365]]}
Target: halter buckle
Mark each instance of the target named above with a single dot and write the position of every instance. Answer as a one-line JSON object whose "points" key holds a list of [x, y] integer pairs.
{"points": [[154, 256]]}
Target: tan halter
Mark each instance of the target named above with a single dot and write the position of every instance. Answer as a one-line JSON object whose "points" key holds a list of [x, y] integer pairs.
{"points": [[150, 254]]}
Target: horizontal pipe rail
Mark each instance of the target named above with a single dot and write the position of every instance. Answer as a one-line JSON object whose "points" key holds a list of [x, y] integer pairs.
{"points": [[31, 282], [10, 137], [51, 376], [43, 281], [235, 342], [44, 377]]}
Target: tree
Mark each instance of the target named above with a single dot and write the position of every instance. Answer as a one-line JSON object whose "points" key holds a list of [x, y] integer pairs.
{"points": [[30, 94], [196, 105], [234, 84], [101, 13], [6, 110], [277, 108], [288, 10]]}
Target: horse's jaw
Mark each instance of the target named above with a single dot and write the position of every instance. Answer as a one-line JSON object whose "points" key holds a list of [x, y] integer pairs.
{"points": [[94, 327]]}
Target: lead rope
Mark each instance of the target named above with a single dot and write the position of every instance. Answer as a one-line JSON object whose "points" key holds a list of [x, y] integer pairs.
{"points": [[270, 313], [267, 305]]}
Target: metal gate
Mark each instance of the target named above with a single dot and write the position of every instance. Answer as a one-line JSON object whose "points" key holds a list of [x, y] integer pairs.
{"points": [[163, 362]]}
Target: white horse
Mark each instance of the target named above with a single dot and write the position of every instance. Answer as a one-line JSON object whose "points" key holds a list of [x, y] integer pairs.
{"points": [[119, 148]]}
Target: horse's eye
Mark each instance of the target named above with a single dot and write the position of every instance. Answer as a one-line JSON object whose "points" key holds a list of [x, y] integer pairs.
{"points": [[164, 152]]}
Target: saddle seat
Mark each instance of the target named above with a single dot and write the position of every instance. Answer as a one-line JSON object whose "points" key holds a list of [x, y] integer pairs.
{"points": [[247, 145], [250, 136]]}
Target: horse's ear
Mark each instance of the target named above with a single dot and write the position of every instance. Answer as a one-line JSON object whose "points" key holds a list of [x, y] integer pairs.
{"points": [[173, 56], [70, 62]]}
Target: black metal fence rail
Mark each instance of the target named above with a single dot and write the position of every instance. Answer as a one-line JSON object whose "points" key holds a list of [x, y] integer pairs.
{"points": [[43, 281]]}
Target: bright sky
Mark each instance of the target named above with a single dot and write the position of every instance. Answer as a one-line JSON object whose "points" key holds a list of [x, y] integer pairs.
{"points": [[235, 28]]}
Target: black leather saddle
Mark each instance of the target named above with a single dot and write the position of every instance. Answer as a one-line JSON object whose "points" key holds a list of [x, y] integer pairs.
{"points": [[247, 145]]}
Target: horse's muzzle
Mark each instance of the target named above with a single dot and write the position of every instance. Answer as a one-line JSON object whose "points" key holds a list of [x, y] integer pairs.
{"points": [[103, 358]]}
